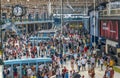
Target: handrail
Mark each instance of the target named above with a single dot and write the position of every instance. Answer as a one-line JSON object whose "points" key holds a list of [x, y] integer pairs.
{"points": [[28, 60], [26, 20]]}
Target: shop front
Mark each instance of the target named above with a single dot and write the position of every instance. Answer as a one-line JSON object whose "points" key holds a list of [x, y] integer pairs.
{"points": [[111, 49], [109, 30]]}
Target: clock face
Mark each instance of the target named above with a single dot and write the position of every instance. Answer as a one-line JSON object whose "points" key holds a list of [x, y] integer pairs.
{"points": [[17, 11]]}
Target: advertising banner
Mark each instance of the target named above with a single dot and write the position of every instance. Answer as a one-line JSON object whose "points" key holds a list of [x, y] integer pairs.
{"points": [[109, 29], [86, 23], [94, 23]]}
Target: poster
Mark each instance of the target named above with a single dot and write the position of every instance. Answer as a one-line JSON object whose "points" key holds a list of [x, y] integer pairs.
{"points": [[94, 23], [109, 29]]}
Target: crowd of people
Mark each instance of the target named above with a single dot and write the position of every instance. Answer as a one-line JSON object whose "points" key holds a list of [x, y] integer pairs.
{"points": [[14, 48], [71, 46]]}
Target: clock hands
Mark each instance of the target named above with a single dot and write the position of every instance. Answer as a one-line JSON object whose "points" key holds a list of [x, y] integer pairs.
{"points": [[17, 10]]}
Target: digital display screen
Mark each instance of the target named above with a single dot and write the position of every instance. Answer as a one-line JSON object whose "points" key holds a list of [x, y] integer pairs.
{"points": [[109, 29]]}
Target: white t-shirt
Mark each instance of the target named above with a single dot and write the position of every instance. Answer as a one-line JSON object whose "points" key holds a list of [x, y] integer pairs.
{"points": [[92, 60], [41, 67], [29, 72], [85, 55], [101, 61], [83, 61], [45, 76], [57, 72], [50, 68], [5, 71], [75, 55], [79, 62]]}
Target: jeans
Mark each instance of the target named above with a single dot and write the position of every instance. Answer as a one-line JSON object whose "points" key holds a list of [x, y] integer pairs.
{"points": [[79, 68]]}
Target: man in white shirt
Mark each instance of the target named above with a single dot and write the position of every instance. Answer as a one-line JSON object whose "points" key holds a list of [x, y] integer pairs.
{"points": [[41, 67], [92, 61], [79, 64], [29, 72], [38, 50], [9, 74], [83, 61], [75, 55], [101, 63], [57, 73]]}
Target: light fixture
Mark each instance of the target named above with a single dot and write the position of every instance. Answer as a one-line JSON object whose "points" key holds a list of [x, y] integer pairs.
{"points": [[8, 0]]}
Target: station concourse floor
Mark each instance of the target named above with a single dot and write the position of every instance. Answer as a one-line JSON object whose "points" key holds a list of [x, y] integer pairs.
{"points": [[98, 72], [1, 70]]}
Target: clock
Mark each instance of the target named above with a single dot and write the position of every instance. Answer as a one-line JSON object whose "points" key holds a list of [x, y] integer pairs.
{"points": [[18, 11]]}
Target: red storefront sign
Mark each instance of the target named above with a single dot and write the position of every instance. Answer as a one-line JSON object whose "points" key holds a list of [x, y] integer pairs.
{"points": [[109, 29]]}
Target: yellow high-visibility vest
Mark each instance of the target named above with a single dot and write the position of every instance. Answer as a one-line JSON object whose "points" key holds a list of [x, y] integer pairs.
{"points": [[111, 63]]}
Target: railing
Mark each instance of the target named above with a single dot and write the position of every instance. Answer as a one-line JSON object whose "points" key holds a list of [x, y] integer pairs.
{"points": [[23, 20], [113, 12]]}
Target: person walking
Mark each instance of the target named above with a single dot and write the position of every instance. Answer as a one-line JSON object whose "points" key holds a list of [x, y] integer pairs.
{"points": [[98, 61], [111, 63], [91, 73], [71, 74], [29, 72], [67, 74], [72, 63], [111, 72], [83, 61], [24, 72], [15, 72], [57, 73], [79, 64], [92, 62], [88, 63], [5, 72], [107, 72], [101, 63]]}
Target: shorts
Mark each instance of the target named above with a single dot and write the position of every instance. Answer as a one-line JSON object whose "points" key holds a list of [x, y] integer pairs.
{"points": [[83, 65], [92, 63], [15, 74], [101, 64]]}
